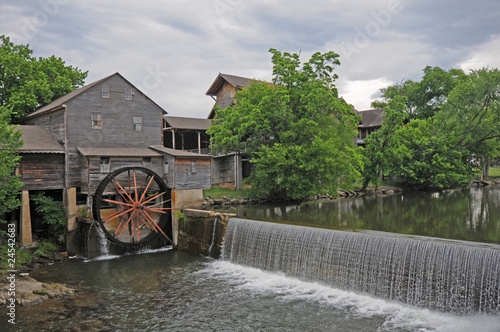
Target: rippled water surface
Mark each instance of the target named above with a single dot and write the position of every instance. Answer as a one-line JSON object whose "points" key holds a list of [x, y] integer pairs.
{"points": [[176, 291]]}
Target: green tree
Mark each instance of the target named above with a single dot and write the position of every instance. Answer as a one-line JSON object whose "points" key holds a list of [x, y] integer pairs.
{"points": [[437, 152], [296, 131], [424, 98], [10, 143], [27, 83]]}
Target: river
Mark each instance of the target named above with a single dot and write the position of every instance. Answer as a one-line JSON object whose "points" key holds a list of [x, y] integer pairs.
{"points": [[168, 290]]}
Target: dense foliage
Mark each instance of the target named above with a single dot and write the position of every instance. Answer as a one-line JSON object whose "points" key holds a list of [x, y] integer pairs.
{"points": [[27, 83], [441, 147], [296, 131], [52, 212], [10, 142]]}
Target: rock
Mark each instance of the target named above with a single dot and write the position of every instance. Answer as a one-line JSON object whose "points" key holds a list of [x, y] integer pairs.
{"points": [[389, 192]]}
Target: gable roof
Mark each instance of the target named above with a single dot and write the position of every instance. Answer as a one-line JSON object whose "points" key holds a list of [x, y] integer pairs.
{"points": [[371, 118], [177, 122], [59, 102], [38, 140], [236, 81]]}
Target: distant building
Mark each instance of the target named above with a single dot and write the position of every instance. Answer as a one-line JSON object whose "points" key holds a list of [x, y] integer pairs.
{"points": [[371, 121]]}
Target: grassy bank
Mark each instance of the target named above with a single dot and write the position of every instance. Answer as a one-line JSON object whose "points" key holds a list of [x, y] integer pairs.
{"points": [[494, 172]]}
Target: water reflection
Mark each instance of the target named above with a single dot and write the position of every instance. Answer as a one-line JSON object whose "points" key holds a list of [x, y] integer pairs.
{"points": [[470, 214]]}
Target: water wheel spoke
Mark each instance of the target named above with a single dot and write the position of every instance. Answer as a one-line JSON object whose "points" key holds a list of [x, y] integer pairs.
{"points": [[117, 202], [158, 227], [145, 189], [159, 210], [117, 214], [135, 186], [159, 203], [119, 189], [124, 226], [153, 198]]}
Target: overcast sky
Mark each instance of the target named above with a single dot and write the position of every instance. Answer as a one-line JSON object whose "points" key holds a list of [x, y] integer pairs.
{"points": [[173, 49]]}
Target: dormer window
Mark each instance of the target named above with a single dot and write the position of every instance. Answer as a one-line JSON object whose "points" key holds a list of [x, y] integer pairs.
{"points": [[128, 94], [105, 91]]}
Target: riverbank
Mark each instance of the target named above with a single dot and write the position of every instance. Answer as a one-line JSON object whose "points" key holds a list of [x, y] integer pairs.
{"points": [[15, 283], [224, 198]]}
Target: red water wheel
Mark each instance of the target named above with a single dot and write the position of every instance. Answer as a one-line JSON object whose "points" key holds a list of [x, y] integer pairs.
{"points": [[132, 205]]}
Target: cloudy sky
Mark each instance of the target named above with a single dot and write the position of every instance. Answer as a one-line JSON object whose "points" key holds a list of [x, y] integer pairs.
{"points": [[173, 49]]}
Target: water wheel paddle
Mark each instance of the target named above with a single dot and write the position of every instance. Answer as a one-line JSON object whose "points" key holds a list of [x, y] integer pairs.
{"points": [[132, 206]]}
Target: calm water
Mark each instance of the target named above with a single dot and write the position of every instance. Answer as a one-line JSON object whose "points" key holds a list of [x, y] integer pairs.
{"points": [[470, 214], [176, 291]]}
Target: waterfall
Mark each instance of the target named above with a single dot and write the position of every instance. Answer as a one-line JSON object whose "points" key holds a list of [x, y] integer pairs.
{"points": [[103, 243], [444, 275]]}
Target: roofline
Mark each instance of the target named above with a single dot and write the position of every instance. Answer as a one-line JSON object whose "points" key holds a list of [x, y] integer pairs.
{"points": [[85, 88]]}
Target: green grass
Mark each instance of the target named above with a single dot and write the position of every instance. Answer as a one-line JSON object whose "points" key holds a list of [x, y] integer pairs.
{"points": [[494, 172], [219, 192]]}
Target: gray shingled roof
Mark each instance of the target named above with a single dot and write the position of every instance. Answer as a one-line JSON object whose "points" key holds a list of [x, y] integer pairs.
{"points": [[38, 140], [118, 152], [371, 118], [236, 81], [64, 99], [179, 153], [177, 122]]}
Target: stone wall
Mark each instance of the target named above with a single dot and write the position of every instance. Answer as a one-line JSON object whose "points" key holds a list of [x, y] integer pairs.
{"points": [[202, 232]]}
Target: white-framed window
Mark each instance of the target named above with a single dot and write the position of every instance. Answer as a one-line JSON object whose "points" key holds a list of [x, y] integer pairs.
{"points": [[128, 94], [146, 162], [96, 121], [105, 165], [105, 91], [137, 123]]}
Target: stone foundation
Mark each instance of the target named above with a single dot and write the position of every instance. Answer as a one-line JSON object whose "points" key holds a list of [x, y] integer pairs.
{"points": [[202, 232]]}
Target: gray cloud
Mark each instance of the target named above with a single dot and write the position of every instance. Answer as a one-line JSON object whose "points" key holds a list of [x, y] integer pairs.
{"points": [[175, 49]]}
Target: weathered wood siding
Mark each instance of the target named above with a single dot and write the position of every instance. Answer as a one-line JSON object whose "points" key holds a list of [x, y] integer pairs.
{"points": [[91, 170], [117, 125], [192, 173], [42, 171], [223, 171]]}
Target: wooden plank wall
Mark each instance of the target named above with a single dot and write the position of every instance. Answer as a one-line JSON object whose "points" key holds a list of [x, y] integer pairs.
{"points": [[96, 176], [42, 171], [191, 173]]}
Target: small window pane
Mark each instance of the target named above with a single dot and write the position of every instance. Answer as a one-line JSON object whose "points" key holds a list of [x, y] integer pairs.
{"points": [[128, 94], [96, 121], [105, 91], [138, 123], [146, 162], [105, 165]]}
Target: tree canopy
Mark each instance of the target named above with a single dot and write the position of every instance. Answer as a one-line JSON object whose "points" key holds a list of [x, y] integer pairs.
{"points": [[10, 143], [443, 148], [27, 83], [296, 131]]}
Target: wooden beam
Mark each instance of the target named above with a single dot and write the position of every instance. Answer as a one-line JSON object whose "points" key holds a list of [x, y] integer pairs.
{"points": [[26, 237]]}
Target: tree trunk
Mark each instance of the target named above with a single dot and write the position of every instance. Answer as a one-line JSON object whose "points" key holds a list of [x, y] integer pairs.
{"points": [[486, 169]]}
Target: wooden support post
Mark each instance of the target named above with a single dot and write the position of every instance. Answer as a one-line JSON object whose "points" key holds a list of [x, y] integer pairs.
{"points": [[25, 223], [173, 138], [70, 205], [199, 142]]}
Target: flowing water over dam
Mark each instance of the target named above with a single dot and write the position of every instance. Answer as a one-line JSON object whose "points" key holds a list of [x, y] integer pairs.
{"points": [[450, 276], [177, 291]]}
